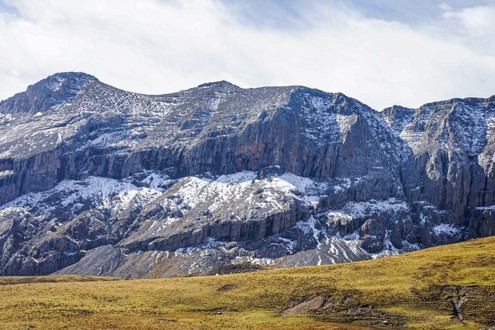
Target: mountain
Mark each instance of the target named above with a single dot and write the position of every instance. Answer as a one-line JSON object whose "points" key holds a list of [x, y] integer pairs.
{"points": [[99, 181]]}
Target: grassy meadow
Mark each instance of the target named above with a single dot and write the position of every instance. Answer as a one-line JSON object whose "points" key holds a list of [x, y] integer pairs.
{"points": [[447, 287]]}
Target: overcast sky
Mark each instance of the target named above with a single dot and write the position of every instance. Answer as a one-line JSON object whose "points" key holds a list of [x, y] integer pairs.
{"points": [[382, 52]]}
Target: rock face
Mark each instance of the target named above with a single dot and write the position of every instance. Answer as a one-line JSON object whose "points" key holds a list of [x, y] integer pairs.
{"points": [[96, 180]]}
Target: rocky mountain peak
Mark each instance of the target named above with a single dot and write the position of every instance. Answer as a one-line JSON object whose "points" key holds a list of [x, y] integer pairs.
{"points": [[490, 101], [71, 80], [398, 117], [47, 94], [219, 86], [216, 84]]}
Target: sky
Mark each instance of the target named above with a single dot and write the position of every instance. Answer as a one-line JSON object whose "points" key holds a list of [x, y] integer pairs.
{"points": [[382, 52]]}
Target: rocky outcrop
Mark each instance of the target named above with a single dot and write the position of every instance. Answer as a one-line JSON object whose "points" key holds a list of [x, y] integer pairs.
{"points": [[196, 131], [97, 180]]}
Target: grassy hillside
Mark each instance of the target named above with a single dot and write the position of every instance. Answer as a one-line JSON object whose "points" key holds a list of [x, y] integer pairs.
{"points": [[447, 287]]}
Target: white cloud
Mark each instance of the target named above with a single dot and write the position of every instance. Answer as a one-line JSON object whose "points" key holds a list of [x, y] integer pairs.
{"points": [[154, 46]]}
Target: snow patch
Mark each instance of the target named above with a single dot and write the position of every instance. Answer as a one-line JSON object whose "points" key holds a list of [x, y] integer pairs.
{"points": [[445, 229], [300, 183], [155, 180], [345, 122], [103, 193], [491, 207], [6, 173], [255, 261], [237, 177], [363, 209]]}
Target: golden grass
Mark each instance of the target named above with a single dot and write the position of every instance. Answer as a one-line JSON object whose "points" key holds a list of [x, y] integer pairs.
{"points": [[405, 290]]}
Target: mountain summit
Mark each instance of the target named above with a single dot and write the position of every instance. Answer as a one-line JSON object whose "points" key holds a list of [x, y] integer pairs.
{"points": [[48, 93], [97, 180]]}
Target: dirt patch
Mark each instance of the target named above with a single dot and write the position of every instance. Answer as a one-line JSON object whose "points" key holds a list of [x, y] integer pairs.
{"points": [[221, 310], [304, 305], [214, 310], [227, 287], [470, 302], [340, 308], [235, 269], [360, 310], [457, 297]]}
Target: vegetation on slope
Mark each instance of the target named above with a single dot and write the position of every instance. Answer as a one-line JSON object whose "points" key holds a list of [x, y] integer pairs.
{"points": [[446, 287]]}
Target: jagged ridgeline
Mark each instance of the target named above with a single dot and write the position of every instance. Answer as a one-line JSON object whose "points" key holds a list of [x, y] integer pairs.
{"points": [[96, 180]]}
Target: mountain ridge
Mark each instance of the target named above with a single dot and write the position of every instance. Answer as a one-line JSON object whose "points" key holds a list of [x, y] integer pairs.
{"points": [[89, 77]]}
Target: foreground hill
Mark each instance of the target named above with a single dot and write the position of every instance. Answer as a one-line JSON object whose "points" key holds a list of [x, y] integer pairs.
{"points": [[447, 287], [99, 181]]}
